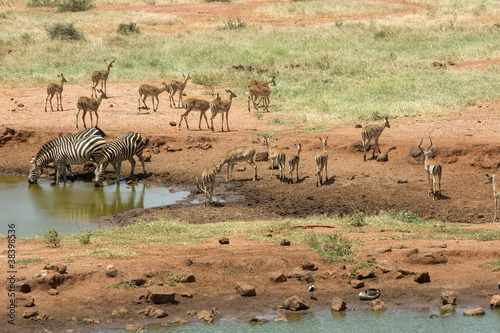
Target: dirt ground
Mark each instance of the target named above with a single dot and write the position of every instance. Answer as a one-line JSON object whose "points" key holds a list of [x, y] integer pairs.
{"points": [[467, 143]]}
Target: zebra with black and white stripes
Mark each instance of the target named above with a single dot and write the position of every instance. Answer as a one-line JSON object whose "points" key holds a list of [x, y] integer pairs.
{"points": [[120, 149], [71, 152], [68, 138]]}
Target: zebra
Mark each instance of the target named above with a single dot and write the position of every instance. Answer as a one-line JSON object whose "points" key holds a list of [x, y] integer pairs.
{"points": [[72, 152], [120, 149], [68, 138]]}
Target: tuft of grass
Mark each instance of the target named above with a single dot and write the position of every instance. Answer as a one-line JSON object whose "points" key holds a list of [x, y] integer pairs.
{"points": [[84, 236], [172, 278], [495, 265], [64, 31], [128, 29], [26, 261], [51, 237], [74, 5], [233, 25], [332, 247], [121, 285], [356, 220]]}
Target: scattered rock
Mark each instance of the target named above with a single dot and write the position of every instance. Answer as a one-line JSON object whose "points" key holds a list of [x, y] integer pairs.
{"points": [[255, 320], [25, 301], [120, 312], [299, 275], [295, 303], [224, 240], [495, 301], [415, 152], [356, 284], [191, 313], [280, 318], [412, 252], [244, 289], [173, 123], [186, 295], [112, 272], [30, 314], [153, 312], [338, 304], [91, 321], [365, 273], [474, 312], [161, 296], [60, 268], [309, 266], [188, 262], [448, 297], [285, 242], [448, 308], [278, 278], [433, 315], [378, 305], [134, 327], [402, 181], [138, 282], [422, 277], [261, 157], [205, 316], [179, 321], [216, 312], [53, 292]]}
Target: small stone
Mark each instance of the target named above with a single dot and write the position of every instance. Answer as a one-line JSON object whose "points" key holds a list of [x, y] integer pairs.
{"points": [[112, 273], [30, 314], [422, 278], [188, 262], [224, 240], [278, 278], [205, 317], [495, 301], [295, 303], [179, 321], [309, 266], [474, 312], [186, 295], [285, 242], [134, 327], [120, 312], [356, 284], [53, 292], [173, 123], [245, 290], [448, 297], [280, 318], [338, 304], [378, 305]]}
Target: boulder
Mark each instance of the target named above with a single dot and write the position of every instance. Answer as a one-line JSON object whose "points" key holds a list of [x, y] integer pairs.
{"points": [[309, 266], [161, 296], [365, 273], [356, 284], [295, 303], [495, 301], [25, 301], [179, 321], [338, 304], [224, 241], [448, 297], [244, 289], [153, 312], [205, 316], [474, 312], [278, 278], [378, 305], [422, 277]]}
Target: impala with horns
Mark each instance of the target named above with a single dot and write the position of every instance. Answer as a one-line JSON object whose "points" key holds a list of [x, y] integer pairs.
{"points": [[263, 91], [370, 132], [491, 180], [100, 76], [147, 90], [177, 86], [433, 168], [89, 105], [196, 104], [277, 157], [235, 155], [208, 181], [322, 162], [55, 89], [222, 107], [293, 163]]}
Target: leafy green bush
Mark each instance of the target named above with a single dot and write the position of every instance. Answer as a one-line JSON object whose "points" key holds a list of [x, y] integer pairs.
{"points": [[64, 31], [51, 237], [42, 3], [356, 220], [332, 247], [84, 236], [127, 29], [75, 5]]}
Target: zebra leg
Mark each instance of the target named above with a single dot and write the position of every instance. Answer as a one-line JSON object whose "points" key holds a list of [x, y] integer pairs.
{"points": [[132, 166], [143, 164]]}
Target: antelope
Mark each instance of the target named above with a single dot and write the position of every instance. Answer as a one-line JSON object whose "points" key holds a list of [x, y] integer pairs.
{"points": [[174, 86], [370, 132], [277, 157], [293, 163], [492, 180], [149, 90], [433, 168], [262, 84], [208, 180], [235, 155], [257, 90], [322, 162], [198, 105], [55, 89], [100, 76], [89, 105], [222, 107]]}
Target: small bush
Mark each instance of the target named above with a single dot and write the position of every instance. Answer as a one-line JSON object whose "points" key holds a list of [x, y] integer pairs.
{"points": [[172, 279], [84, 236], [51, 237], [356, 220], [233, 25], [74, 5], [127, 29], [64, 31], [332, 247], [121, 285]]}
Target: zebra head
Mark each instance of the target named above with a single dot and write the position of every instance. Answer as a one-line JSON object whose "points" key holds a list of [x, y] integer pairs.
{"points": [[35, 171], [99, 174]]}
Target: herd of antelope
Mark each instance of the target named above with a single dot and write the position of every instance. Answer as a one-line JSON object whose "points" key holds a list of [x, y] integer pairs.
{"points": [[256, 90]]}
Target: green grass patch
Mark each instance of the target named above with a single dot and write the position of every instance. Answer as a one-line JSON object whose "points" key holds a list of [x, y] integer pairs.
{"points": [[121, 285], [333, 247], [27, 261], [495, 265]]}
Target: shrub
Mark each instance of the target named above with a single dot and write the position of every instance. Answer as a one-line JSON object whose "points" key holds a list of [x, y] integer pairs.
{"points": [[356, 220], [51, 237], [74, 5], [64, 31], [84, 236], [127, 29], [233, 25]]}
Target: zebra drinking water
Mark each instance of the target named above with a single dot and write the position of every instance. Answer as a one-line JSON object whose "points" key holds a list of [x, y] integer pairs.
{"points": [[120, 149], [72, 152]]}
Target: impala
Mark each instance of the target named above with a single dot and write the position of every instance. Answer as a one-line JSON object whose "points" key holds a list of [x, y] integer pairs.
{"points": [[147, 90], [277, 156], [433, 168], [235, 155], [198, 105], [270, 81], [55, 89], [370, 132], [293, 163], [223, 107], [257, 90], [176, 85], [208, 181], [101, 76], [89, 105], [496, 196], [322, 162]]}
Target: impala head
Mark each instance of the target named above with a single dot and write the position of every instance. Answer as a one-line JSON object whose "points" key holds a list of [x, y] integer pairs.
{"points": [[266, 141], [110, 63], [387, 122], [103, 94], [299, 147], [271, 81], [490, 179], [63, 79], [427, 152], [232, 94], [323, 141], [35, 171]]}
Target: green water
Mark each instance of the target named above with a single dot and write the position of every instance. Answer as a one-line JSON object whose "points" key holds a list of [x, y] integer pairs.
{"points": [[348, 321], [72, 207]]}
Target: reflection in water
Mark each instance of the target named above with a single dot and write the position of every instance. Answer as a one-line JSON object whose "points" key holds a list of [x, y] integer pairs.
{"points": [[71, 207]]}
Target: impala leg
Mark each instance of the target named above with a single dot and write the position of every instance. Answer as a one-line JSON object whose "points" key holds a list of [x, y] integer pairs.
{"points": [[206, 120], [430, 184], [83, 118], [326, 169], [297, 170], [496, 208], [227, 175], [96, 119]]}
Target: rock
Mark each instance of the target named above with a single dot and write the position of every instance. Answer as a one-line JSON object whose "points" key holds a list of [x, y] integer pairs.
{"points": [[138, 282], [173, 123], [433, 315], [280, 318], [285, 242], [205, 316], [261, 157], [415, 152], [191, 313], [188, 262], [30, 314], [224, 240], [495, 301], [295, 303], [446, 309], [120, 312], [112, 272], [412, 252], [448, 297], [161, 296], [186, 295], [402, 181], [278, 278], [474, 312], [153, 312], [25, 301], [134, 327], [255, 320], [299, 275], [60, 268], [422, 277], [378, 305], [365, 273], [179, 321], [356, 284], [338, 304], [244, 289], [309, 266], [53, 292], [91, 321]]}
